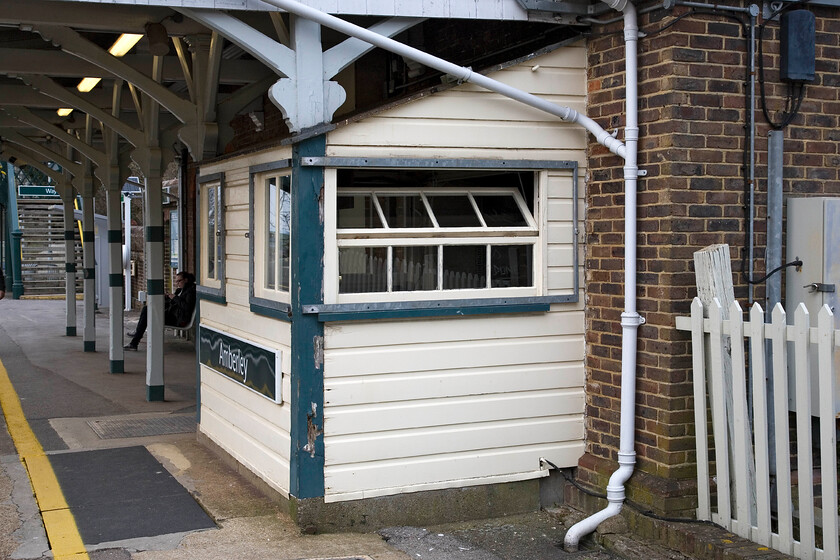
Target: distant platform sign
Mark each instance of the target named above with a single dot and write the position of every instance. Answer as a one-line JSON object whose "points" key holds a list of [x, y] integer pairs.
{"points": [[37, 191]]}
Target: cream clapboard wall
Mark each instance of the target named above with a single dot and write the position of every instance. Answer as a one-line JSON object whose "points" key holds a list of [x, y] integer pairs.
{"points": [[253, 429], [434, 403]]}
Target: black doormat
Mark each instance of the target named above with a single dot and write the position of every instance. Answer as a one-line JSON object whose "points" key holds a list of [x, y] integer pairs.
{"points": [[125, 493]]}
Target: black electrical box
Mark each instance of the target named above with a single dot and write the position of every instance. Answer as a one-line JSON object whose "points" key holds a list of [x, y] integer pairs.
{"points": [[797, 46]]}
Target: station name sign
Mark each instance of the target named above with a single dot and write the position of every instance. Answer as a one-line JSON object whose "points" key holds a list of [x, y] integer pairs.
{"points": [[254, 366], [37, 191]]}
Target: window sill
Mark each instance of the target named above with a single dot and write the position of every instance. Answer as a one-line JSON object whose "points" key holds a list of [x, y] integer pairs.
{"points": [[211, 294], [439, 308], [273, 309]]}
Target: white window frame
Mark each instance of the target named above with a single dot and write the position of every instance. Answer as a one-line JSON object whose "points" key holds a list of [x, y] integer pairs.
{"points": [[260, 236], [212, 284], [533, 234]]}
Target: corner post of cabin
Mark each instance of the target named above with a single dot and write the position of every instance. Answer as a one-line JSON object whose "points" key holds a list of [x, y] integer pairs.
{"points": [[307, 367], [69, 258]]}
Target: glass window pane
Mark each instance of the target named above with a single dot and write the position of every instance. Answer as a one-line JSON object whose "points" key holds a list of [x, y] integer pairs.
{"points": [[210, 194], [511, 266], [362, 270], [464, 267], [271, 233], [500, 211], [357, 211], [453, 211], [404, 211], [284, 212], [217, 230], [415, 268]]}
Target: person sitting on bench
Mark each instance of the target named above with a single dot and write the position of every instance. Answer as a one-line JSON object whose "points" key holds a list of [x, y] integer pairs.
{"points": [[178, 308]]}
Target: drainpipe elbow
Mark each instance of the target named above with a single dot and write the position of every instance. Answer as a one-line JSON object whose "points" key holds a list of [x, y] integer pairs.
{"points": [[577, 531]]}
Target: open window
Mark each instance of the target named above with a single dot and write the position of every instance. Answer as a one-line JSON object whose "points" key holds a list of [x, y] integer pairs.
{"points": [[436, 234]]}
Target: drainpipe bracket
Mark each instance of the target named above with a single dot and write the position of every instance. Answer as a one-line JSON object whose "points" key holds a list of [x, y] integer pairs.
{"points": [[631, 319], [642, 172]]}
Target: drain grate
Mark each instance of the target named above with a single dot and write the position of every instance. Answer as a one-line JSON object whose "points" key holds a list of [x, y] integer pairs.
{"points": [[141, 427]]}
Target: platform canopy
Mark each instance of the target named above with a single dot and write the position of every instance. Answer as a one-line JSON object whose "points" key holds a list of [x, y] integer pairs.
{"points": [[195, 51]]}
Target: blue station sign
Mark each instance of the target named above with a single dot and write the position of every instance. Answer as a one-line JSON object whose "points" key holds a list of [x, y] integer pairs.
{"points": [[254, 366]]}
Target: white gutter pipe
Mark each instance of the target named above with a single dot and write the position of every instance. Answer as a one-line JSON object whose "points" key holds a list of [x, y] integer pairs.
{"points": [[461, 73], [630, 319]]}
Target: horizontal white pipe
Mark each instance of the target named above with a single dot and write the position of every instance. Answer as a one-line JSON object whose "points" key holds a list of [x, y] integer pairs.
{"points": [[461, 73]]}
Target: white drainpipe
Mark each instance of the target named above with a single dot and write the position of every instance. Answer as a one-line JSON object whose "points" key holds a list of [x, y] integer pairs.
{"points": [[630, 319]]}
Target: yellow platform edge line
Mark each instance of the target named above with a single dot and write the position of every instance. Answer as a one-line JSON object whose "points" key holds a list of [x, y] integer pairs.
{"points": [[65, 541]]}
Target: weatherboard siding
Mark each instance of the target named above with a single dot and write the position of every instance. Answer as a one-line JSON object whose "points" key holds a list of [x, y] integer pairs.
{"points": [[251, 428], [424, 404]]}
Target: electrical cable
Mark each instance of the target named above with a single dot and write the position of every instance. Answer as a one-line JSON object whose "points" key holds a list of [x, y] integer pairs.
{"points": [[791, 107], [797, 263], [793, 101]]}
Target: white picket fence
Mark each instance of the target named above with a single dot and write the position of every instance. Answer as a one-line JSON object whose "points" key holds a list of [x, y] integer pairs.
{"points": [[748, 477]]}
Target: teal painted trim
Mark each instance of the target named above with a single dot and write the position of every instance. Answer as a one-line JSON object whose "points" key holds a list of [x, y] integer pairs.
{"points": [[117, 366], [115, 280], [154, 287], [154, 393], [71, 331], [69, 267], [69, 235], [284, 313], [210, 296], [90, 346], [114, 236], [376, 306], [439, 312], [88, 236], [271, 166], [89, 273], [154, 234], [307, 352]]}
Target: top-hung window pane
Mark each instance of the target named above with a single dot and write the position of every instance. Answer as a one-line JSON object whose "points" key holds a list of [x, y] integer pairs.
{"points": [[500, 211], [404, 211], [356, 211], [453, 210]]}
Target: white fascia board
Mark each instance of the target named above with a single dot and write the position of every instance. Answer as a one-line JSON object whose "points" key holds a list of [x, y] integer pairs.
{"points": [[465, 9]]}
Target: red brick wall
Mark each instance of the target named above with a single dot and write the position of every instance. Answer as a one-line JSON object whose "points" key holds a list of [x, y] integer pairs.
{"points": [[692, 86]]}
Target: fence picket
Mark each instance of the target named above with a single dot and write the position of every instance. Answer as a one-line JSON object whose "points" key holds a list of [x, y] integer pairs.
{"points": [[804, 460], [828, 434], [719, 428], [741, 439], [732, 431], [763, 529], [784, 507], [698, 358]]}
